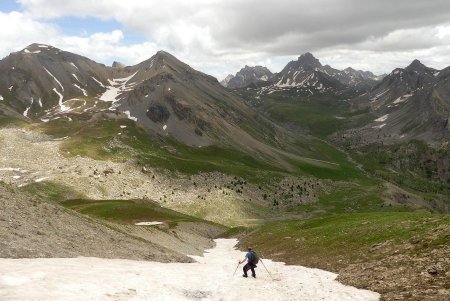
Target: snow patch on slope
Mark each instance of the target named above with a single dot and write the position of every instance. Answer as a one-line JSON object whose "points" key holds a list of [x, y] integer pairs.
{"points": [[25, 113], [98, 82], [382, 118], [73, 65], [117, 86], [59, 83], [74, 75], [129, 116], [82, 90], [210, 278], [379, 126], [62, 107], [402, 98]]}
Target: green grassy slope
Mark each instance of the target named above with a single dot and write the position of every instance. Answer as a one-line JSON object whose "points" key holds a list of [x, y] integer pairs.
{"points": [[128, 211], [338, 240]]}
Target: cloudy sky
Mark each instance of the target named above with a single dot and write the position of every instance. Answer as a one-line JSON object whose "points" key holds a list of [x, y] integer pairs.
{"points": [[221, 36]]}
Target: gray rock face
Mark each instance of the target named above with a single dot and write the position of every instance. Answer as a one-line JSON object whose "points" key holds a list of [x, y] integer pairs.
{"points": [[248, 76], [116, 64], [226, 80], [158, 113]]}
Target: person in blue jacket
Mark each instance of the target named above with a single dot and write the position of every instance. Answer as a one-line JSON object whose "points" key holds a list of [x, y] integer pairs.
{"points": [[249, 257]]}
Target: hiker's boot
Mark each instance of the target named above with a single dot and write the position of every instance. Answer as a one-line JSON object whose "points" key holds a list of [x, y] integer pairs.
{"points": [[254, 276], [245, 276]]}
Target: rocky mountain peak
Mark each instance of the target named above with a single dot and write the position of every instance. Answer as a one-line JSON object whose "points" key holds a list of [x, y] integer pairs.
{"points": [[226, 80], [250, 75], [36, 48], [416, 65], [308, 60], [116, 64], [163, 54]]}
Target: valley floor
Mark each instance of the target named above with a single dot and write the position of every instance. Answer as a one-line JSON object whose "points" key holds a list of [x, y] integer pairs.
{"points": [[210, 278]]}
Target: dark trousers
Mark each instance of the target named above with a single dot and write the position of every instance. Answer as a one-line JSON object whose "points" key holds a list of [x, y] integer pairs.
{"points": [[249, 266]]}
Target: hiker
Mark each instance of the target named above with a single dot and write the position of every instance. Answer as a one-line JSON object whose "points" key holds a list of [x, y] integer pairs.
{"points": [[249, 257]]}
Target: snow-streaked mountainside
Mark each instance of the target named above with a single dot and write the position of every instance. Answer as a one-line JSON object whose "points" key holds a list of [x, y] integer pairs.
{"points": [[305, 76], [248, 76], [162, 94], [411, 102], [308, 76], [168, 97]]}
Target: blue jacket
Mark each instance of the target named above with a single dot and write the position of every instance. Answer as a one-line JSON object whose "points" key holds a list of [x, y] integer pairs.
{"points": [[250, 257]]}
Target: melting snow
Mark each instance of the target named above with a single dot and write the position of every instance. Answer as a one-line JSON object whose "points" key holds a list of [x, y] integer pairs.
{"points": [[382, 118], [129, 116], [123, 126], [1, 97], [10, 88], [73, 65], [40, 102], [98, 82], [402, 98], [62, 107], [74, 75], [40, 179], [13, 169], [164, 127], [82, 90], [379, 95], [117, 86], [148, 223], [59, 83], [379, 126], [210, 278], [25, 113]]}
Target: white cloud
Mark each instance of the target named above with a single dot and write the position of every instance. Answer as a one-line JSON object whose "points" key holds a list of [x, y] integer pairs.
{"points": [[220, 37], [19, 30]]}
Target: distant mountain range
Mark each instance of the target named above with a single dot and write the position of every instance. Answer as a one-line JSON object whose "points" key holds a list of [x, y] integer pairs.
{"points": [[411, 102], [166, 96], [304, 76]]}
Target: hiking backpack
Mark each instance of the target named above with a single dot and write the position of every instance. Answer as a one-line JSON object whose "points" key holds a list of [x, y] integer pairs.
{"points": [[255, 258]]}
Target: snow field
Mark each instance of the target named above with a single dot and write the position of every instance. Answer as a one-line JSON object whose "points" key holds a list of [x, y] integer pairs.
{"points": [[210, 278]]}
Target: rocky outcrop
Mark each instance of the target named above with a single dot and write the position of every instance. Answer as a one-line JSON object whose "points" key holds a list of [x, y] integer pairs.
{"points": [[249, 76]]}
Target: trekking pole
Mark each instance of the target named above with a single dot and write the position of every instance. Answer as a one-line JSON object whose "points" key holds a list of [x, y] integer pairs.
{"points": [[236, 269], [266, 268]]}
